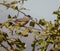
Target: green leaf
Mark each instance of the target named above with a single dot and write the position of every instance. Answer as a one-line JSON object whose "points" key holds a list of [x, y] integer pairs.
{"points": [[57, 12], [23, 1], [1, 38], [1, 25], [11, 28], [59, 30], [9, 16], [14, 2], [17, 26], [33, 44], [51, 50], [5, 34], [24, 45], [30, 31], [24, 33], [40, 41], [43, 49], [6, 24], [16, 32], [32, 23], [21, 46], [16, 50], [21, 49], [16, 7], [10, 23], [14, 17], [18, 40], [18, 45], [56, 46], [50, 40], [43, 44], [58, 17], [42, 22]]}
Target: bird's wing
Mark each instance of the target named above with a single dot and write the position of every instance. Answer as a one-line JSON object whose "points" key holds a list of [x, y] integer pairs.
{"points": [[21, 23], [22, 20]]}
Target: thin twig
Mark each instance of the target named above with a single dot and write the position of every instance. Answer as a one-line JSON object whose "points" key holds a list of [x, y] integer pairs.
{"points": [[32, 28], [17, 14], [3, 4], [22, 12], [12, 32], [39, 25]]}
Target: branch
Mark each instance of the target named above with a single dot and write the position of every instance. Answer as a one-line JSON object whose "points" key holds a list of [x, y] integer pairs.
{"points": [[3, 4], [17, 14], [32, 28], [22, 12], [40, 26], [12, 32]]}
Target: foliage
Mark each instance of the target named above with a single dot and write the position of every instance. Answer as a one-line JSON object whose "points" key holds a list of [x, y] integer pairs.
{"points": [[47, 33]]}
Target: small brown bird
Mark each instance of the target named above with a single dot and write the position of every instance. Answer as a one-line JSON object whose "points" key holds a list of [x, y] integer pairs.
{"points": [[23, 21]]}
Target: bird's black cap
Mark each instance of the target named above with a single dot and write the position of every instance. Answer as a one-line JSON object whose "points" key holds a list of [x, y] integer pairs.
{"points": [[28, 15]]}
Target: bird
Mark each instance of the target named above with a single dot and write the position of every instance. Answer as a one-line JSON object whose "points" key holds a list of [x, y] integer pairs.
{"points": [[23, 21]]}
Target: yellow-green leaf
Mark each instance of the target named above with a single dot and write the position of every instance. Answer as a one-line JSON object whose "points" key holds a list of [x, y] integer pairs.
{"points": [[1, 38], [32, 23], [22, 1], [6, 24], [11, 28]]}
